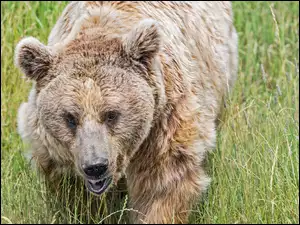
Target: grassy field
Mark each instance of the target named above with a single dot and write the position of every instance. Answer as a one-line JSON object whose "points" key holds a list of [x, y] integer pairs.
{"points": [[255, 167]]}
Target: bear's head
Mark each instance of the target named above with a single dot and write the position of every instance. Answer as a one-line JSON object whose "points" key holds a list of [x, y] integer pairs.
{"points": [[94, 100]]}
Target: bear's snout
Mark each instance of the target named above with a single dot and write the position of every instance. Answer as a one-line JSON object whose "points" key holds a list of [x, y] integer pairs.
{"points": [[96, 170], [97, 177]]}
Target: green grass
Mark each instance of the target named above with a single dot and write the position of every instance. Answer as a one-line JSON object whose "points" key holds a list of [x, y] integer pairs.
{"points": [[255, 167]]}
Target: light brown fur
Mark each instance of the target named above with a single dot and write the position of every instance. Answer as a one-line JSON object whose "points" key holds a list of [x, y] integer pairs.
{"points": [[166, 66]]}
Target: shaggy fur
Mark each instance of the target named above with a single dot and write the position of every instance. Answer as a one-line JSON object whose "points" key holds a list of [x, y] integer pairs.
{"points": [[165, 67]]}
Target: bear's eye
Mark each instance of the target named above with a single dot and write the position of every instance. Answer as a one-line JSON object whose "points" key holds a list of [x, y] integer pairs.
{"points": [[71, 121], [111, 117]]}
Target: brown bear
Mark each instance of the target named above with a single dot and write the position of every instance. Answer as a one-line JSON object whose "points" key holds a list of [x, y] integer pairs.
{"points": [[131, 89]]}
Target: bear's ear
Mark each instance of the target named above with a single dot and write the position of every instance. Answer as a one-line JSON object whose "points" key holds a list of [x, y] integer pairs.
{"points": [[143, 41], [33, 58]]}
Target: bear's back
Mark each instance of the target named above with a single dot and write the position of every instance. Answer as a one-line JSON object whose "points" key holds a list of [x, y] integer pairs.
{"points": [[199, 42]]}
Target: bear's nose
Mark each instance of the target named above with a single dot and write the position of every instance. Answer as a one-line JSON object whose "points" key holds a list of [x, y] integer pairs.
{"points": [[96, 170]]}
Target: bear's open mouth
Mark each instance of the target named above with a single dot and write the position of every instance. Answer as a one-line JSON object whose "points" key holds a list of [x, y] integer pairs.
{"points": [[98, 186]]}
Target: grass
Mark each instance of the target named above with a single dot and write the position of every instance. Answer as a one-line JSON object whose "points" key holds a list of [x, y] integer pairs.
{"points": [[255, 167]]}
